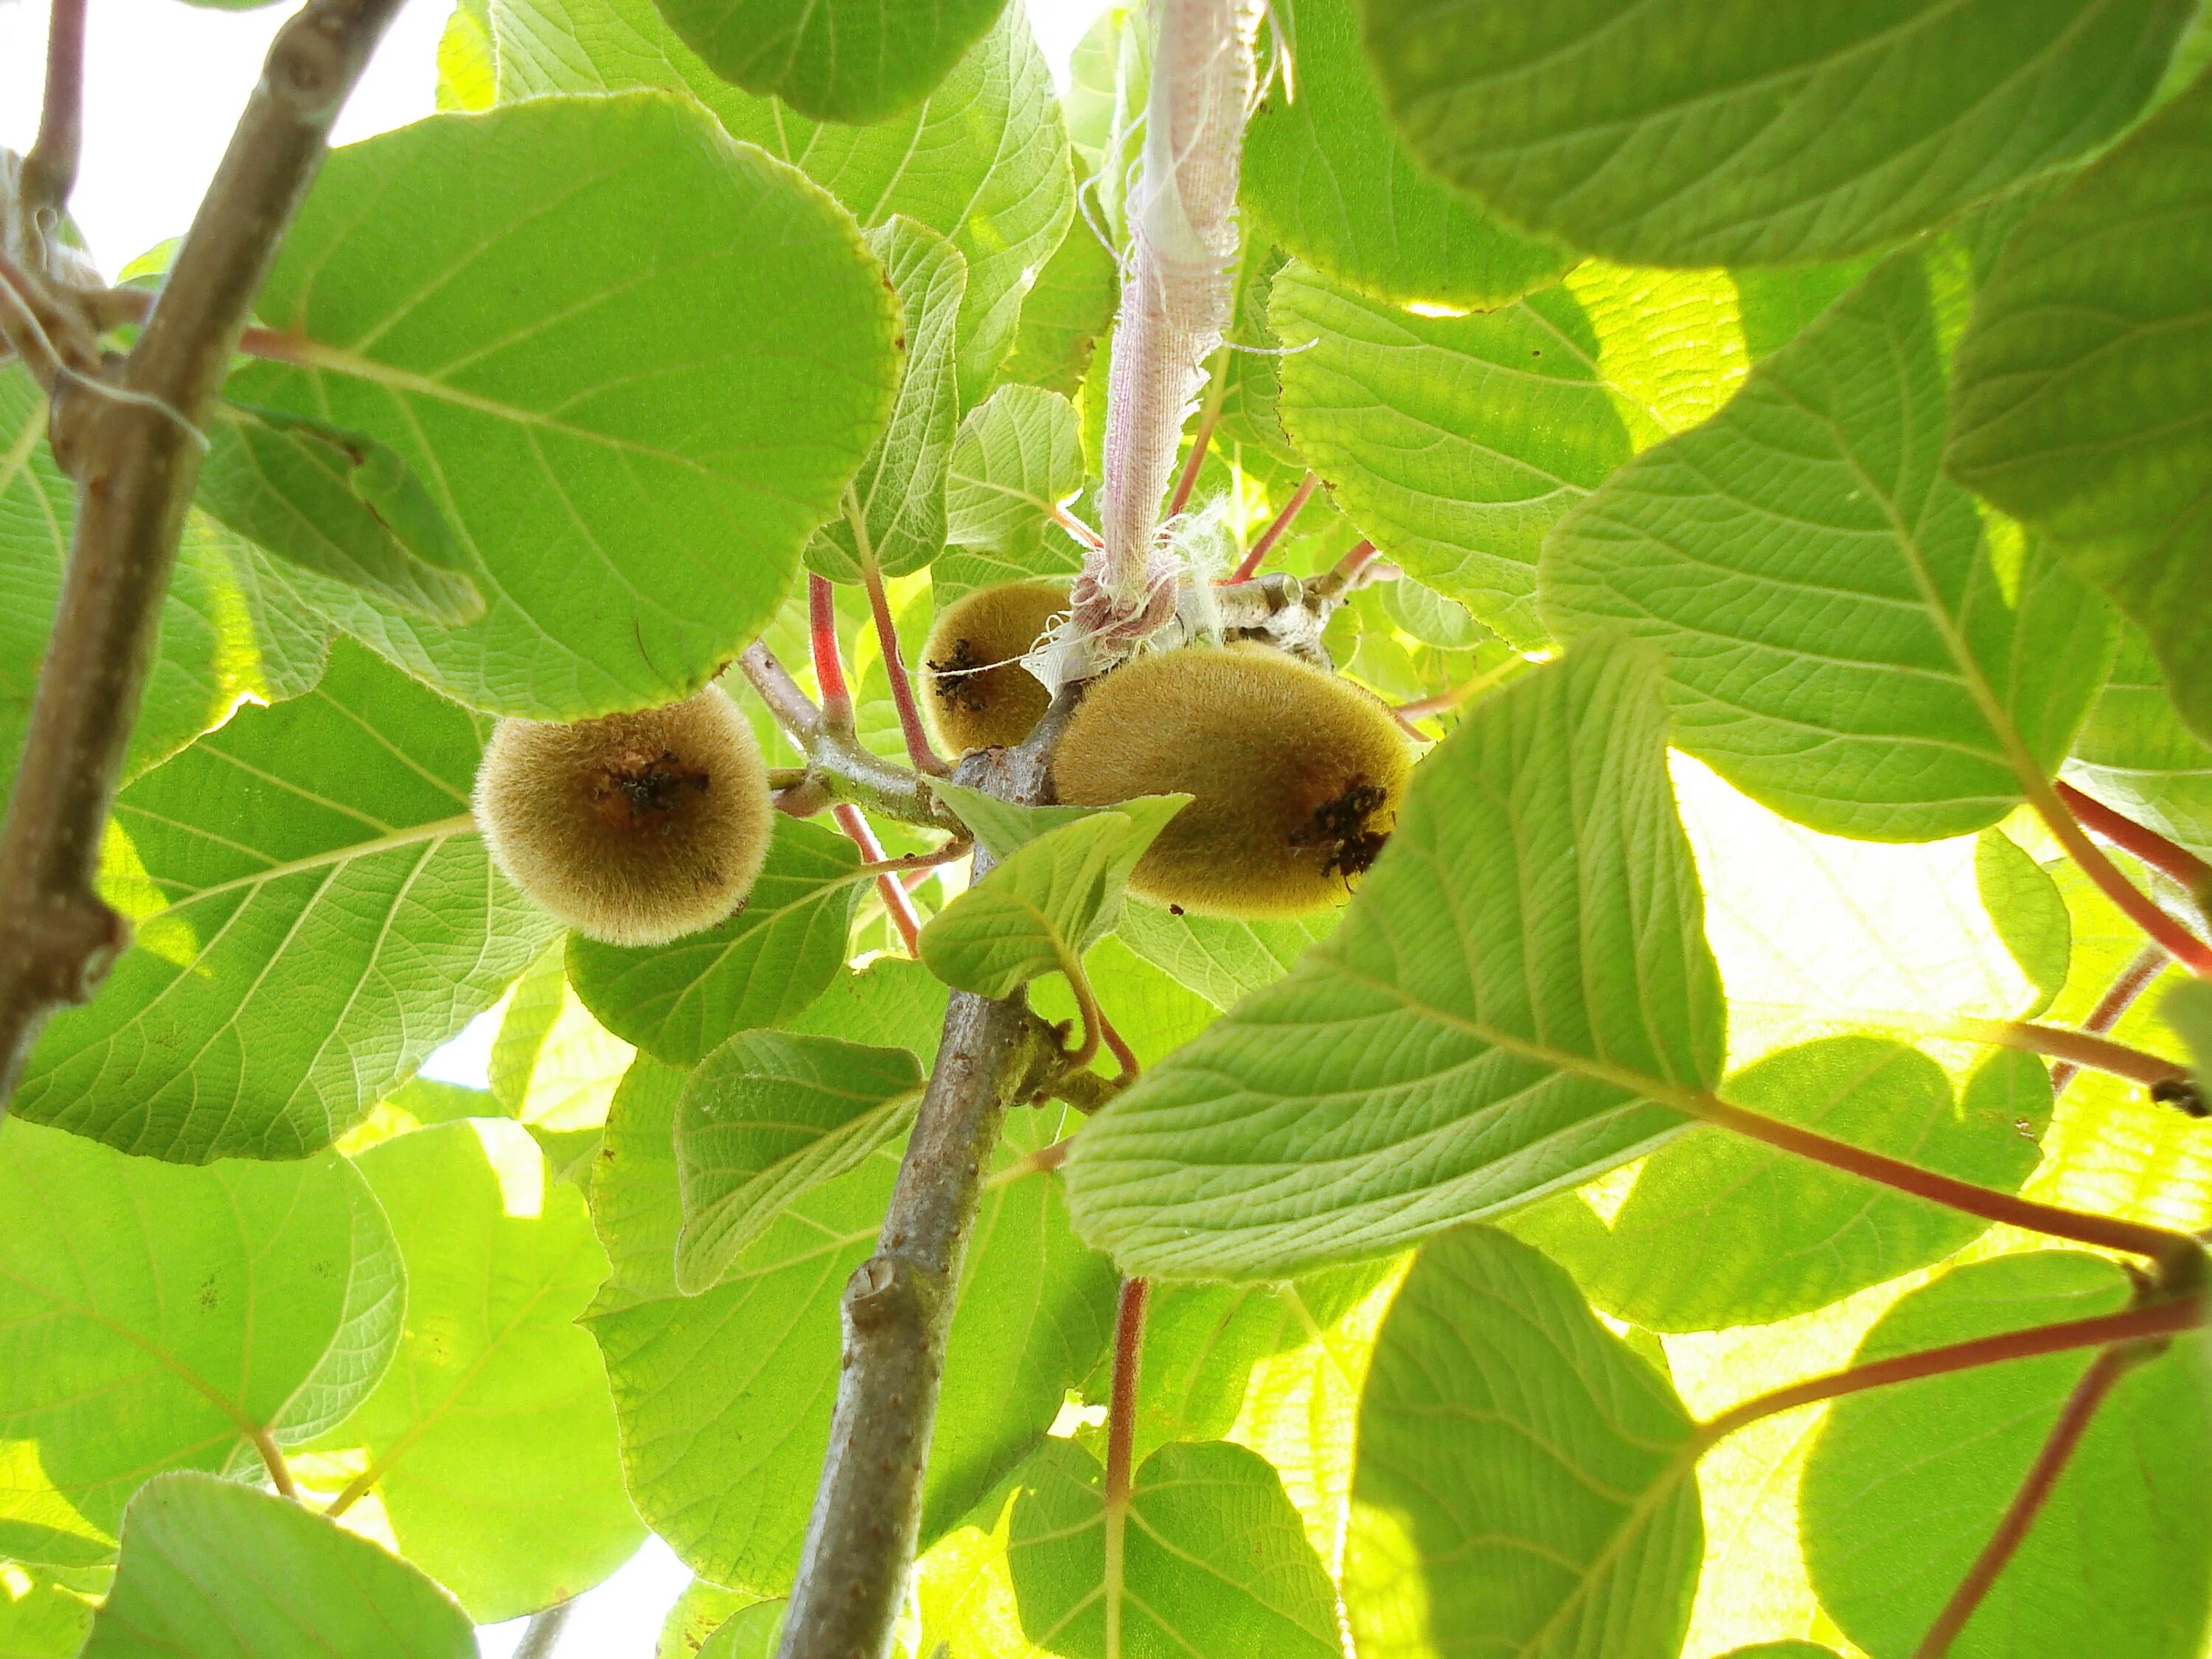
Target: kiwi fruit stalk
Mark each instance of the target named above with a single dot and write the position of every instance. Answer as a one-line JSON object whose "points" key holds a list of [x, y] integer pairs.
{"points": [[634, 828], [974, 690], [1297, 776]]}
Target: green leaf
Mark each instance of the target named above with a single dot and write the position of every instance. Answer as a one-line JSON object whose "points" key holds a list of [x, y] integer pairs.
{"points": [[491, 1443], [313, 915], [1327, 176], [542, 310], [2188, 1009], [1018, 456], [894, 1002], [1214, 1558], [750, 1633], [1690, 133], [894, 509], [1524, 1482], [1154, 1015], [1457, 441], [763, 966], [2085, 385], [1065, 314], [211, 1570], [1789, 1650], [699, 1611], [836, 60], [338, 503], [226, 632], [2029, 914], [1519, 980], [1849, 644], [981, 160], [1718, 1230], [41, 1619], [1003, 826], [161, 1318], [554, 1067], [2136, 753], [767, 1117], [468, 71], [725, 1398], [1221, 958], [1904, 1485], [1037, 912]]}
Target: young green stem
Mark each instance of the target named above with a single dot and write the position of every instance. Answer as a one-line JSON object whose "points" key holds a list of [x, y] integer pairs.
{"points": [[1120, 1443], [1086, 1009], [837, 764], [854, 823], [49, 172], [2157, 1319], [917, 739], [2145, 843], [1341, 577], [272, 1459], [2119, 996], [2139, 907], [1422, 708], [1276, 527], [829, 666], [2073, 1418]]}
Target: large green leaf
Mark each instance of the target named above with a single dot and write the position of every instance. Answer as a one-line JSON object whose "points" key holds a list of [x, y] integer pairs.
{"points": [[1071, 307], [1848, 643], [39, 1618], [767, 1117], [1523, 1485], [2134, 753], [314, 914], [227, 632], [760, 966], [1038, 911], [154, 1317], [836, 60], [211, 1570], [893, 514], [1744, 132], [336, 502], [894, 1002], [981, 160], [2085, 385], [1906, 1484], [544, 310], [1522, 974], [1018, 455], [491, 1443], [1719, 1230], [1456, 441], [1328, 177], [725, 1398], [1220, 957], [1213, 1560]]}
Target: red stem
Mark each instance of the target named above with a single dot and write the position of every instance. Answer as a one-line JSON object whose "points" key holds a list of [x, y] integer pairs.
{"points": [[1124, 1056], [1273, 533], [2147, 844], [1075, 527], [828, 667], [1200, 443], [854, 823], [2159, 1319], [1122, 1413], [918, 751], [2066, 1434], [2119, 996], [2180, 943], [49, 168]]}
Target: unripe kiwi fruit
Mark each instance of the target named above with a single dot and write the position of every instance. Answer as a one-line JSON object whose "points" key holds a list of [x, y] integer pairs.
{"points": [[635, 829], [1296, 777], [977, 691]]}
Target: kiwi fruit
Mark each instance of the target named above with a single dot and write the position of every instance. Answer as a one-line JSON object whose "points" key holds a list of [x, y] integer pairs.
{"points": [[1297, 776], [633, 829], [977, 694]]}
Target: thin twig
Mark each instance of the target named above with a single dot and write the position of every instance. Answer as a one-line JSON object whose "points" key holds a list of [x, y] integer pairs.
{"points": [[1201, 440], [134, 447], [1116, 1045], [2140, 907], [50, 166], [2119, 996], [2078, 1047], [918, 751], [1423, 707], [2158, 1319], [839, 767], [2074, 1419], [2145, 843], [1343, 576], [1276, 527], [1074, 527], [543, 1633], [829, 664], [920, 863], [114, 307], [1120, 1443], [854, 823]]}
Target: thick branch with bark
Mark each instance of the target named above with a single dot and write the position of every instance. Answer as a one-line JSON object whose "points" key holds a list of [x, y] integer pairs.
{"points": [[133, 444], [899, 1305]]}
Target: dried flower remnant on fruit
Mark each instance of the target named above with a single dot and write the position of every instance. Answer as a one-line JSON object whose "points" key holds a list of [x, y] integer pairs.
{"points": [[1297, 776], [634, 828], [977, 694]]}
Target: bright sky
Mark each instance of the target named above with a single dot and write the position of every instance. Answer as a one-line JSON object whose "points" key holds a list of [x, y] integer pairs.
{"points": [[165, 83]]}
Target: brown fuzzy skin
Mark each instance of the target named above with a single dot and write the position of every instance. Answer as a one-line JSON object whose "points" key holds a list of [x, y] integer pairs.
{"points": [[990, 707], [633, 829], [1297, 776]]}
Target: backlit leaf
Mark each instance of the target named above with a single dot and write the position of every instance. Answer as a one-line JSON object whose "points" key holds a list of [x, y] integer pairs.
{"points": [[836, 60], [2136, 754], [1016, 456]]}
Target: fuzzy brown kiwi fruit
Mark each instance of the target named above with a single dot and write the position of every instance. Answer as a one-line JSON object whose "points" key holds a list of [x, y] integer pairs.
{"points": [[633, 829], [977, 691], [1296, 777]]}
